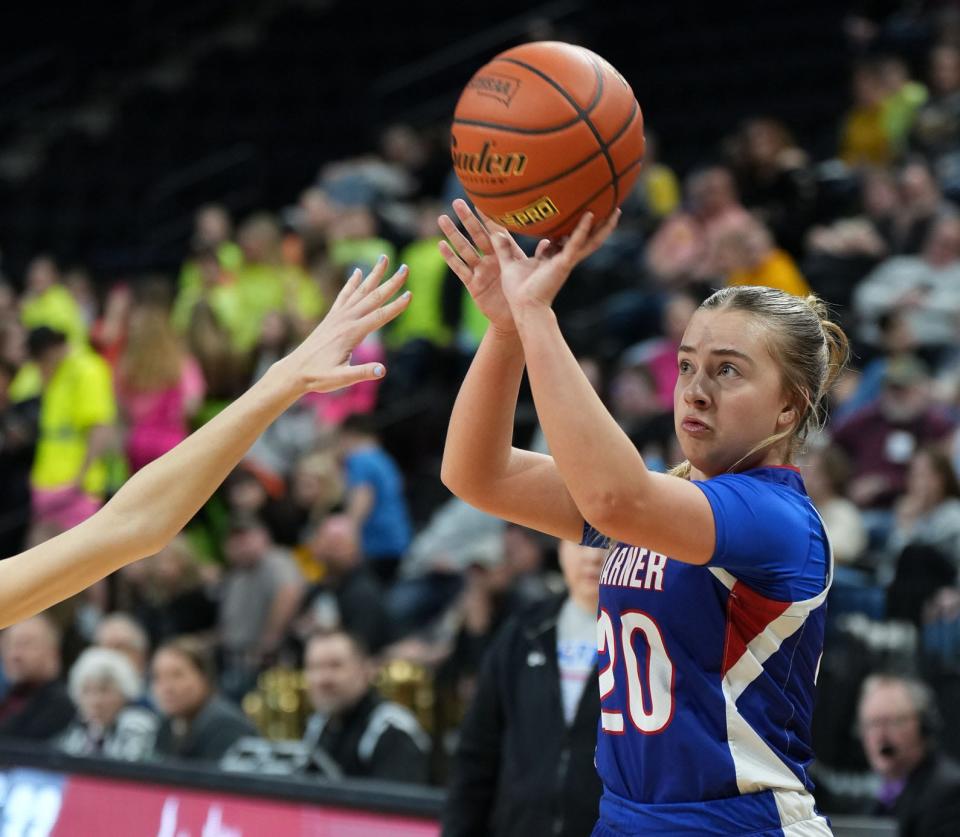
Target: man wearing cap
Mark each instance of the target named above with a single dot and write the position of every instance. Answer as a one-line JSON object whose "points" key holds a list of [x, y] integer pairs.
{"points": [[881, 438], [262, 590]]}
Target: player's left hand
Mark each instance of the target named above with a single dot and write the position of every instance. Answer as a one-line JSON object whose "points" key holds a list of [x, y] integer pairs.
{"points": [[535, 282]]}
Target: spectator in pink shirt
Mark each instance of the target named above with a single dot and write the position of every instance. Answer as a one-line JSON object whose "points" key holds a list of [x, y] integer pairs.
{"points": [[683, 250], [159, 386]]}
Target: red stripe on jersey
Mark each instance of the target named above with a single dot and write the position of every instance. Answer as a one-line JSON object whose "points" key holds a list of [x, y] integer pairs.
{"points": [[748, 613]]}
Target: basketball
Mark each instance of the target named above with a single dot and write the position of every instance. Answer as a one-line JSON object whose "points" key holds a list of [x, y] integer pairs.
{"points": [[545, 132]]}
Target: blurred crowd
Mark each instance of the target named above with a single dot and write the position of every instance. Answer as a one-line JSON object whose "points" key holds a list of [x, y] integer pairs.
{"points": [[330, 609]]}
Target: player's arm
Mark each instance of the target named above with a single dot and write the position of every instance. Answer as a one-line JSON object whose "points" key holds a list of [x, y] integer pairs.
{"points": [[603, 471], [480, 464], [162, 497]]}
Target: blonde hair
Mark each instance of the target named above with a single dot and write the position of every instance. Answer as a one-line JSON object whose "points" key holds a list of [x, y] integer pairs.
{"points": [[810, 349], [153, 358]]}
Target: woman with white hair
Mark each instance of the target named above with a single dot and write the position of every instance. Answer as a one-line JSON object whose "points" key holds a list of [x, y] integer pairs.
{"points": [[104, 686]]}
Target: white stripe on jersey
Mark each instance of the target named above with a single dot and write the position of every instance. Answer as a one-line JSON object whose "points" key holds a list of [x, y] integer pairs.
{"points": [[798, 817], [756, 765]]}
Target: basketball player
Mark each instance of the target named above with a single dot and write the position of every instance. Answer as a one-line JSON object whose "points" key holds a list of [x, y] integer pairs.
{"points": [[711, 612], [159, 500]]}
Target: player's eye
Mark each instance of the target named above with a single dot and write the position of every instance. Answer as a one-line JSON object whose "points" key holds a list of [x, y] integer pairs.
{"points": [[684, 366], [728, 370]]}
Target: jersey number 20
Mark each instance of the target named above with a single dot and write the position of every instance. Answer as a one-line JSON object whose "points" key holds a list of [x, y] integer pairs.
{"points": [[650, 699]]}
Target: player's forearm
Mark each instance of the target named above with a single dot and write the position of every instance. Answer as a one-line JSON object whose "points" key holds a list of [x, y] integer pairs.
{"points": [[148, 510], [480, 434], [599, 464]]}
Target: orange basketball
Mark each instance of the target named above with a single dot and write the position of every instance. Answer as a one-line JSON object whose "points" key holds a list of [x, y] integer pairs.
{"points": [[545, 132]]}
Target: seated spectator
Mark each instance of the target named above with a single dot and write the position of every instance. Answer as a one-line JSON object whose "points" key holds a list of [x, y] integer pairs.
{"points": [[919, 206], [210, 325], [639, 411], [18, 441], [925, 287], [746, 255], [198, 724], [36, 704], [659, 354], [122, 633], [168, 594], [294, 434], [264, 283], [348, 595], [881, 438], [902, 99], [654, 197], [212, 232], [261, 593], [936, 128], [899, 724], [516, 731], [841, 253], [374, 497], [365, 735], [825, 475], [105, 688], [928, 512], [456, 537], [159, 386], [353, 235], [895, 339], [774, 180], [866, 139], [683, 250]]}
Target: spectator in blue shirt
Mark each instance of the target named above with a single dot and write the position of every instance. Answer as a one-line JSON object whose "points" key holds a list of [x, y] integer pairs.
{"points": [[374, 497]]}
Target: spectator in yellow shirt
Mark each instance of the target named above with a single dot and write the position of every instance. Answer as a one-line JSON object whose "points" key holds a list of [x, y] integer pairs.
{"points": [[866, 139], [47, 302], [747, 255], [77, 414]]}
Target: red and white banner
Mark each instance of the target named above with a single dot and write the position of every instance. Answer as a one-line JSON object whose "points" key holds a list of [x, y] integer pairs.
{"points": [[39, 803]]}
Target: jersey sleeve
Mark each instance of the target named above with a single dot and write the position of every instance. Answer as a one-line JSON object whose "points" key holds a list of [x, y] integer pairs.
{"points": [[591, 537], [769, 538]]}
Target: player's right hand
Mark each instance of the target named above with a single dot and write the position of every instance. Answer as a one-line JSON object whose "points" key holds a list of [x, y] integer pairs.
{"points": [[321, 363], [476, 264]]}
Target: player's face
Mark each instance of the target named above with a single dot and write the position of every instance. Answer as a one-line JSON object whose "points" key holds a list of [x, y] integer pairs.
{"points": [[729, 395]]}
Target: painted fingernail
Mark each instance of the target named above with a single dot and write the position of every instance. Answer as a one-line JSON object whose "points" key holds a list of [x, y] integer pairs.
{"points": [[405, 295], [378, 370], [402, 269], [382, 259]]}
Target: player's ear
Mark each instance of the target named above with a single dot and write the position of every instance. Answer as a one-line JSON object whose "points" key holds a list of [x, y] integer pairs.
{"points": [[788, 415]]}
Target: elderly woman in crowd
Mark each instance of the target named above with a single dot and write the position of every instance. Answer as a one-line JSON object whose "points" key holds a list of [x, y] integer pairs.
{"points": [[105, 687]]}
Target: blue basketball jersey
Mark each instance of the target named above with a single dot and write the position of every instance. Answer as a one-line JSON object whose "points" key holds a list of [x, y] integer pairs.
{"points": [[707, 673]]}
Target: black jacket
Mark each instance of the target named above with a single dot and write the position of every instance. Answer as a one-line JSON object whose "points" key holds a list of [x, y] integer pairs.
{"points": [[929, 805], [519, 770], [374, 739], [46, 712]]}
